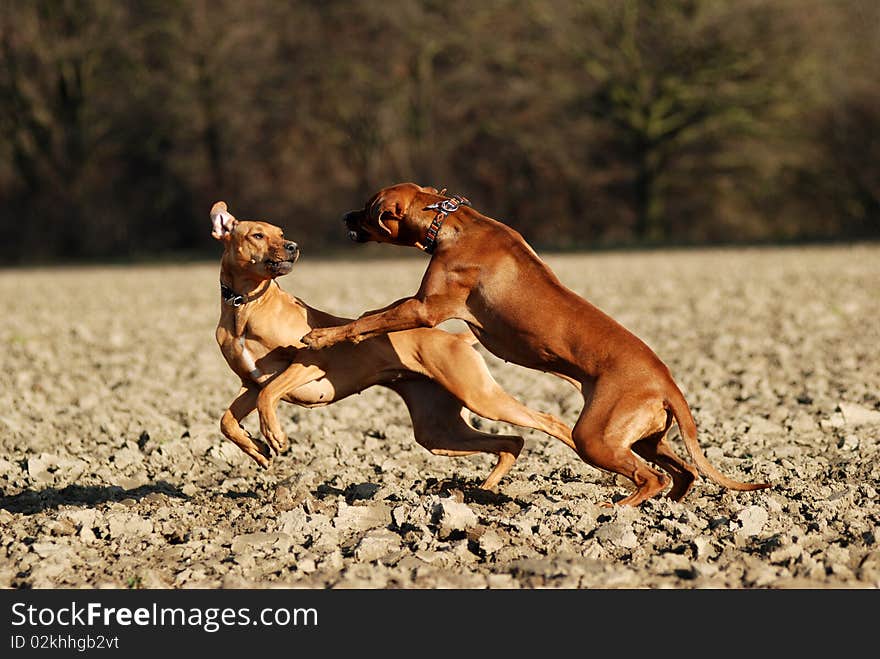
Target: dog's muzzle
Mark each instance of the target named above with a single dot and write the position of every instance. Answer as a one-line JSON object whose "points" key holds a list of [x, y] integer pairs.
{"points": [[284, 265], [351, 223]]}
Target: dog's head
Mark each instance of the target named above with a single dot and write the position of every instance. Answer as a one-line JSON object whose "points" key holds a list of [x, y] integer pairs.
{"points": [[397, 214], [256, 247]]}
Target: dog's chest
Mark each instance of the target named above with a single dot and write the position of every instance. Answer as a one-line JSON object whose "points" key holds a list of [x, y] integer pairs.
{"points": [[242, 356]]}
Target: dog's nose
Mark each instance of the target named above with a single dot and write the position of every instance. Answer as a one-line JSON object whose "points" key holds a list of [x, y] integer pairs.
{"points": [[349, 217], [291, 247]]}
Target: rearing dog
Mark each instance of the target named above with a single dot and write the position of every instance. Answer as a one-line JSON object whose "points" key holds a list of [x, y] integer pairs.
{"points": [[484, 273], [437, 373]]}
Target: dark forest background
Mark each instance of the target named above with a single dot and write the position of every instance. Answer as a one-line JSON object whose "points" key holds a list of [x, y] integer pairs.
{"points": [[584, 124]]}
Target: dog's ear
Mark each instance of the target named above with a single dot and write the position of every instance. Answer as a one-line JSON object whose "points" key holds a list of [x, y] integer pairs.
{"points": [[222, 221], [384, 207]]}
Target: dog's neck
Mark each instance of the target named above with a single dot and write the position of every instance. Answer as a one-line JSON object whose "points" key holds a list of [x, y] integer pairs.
{"points": [[238, 292], [234, 299], [236, 277], [444, 209]]}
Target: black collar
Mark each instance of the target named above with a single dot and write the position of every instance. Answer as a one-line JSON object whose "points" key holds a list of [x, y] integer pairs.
{"points": [[230, 297], [234, 299], [443, 209]]}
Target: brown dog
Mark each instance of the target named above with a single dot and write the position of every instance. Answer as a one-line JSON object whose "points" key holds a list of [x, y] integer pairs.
{"points": [[435, 372], [485, 274]]}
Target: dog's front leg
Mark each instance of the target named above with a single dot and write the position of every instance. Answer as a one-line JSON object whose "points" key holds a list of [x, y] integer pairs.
{"points": [[372, 312], [406, 314], [293, 376], [230, 425]]}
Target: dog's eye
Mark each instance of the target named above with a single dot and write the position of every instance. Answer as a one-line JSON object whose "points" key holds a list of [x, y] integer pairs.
{"points": [[257, 236]]}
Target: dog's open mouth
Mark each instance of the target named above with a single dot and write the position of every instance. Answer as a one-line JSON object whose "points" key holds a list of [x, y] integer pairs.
{"points": [[358, 236], [279, 267]]}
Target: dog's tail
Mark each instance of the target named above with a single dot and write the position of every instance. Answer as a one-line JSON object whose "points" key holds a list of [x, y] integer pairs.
{"points": [[676, 404]]}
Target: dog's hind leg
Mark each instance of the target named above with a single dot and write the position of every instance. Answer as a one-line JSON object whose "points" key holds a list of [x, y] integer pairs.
{"points": [[606, 434], [440, 426], [230, 425], [294, 376], [461, 370], [656, 449]]}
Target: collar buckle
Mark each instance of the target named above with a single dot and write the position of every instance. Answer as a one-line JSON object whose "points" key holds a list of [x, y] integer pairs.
{"points": [[443, 208], [230, 297]]}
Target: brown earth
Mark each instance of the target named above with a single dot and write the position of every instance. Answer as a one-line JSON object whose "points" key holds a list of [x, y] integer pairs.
{"points": [[113, 471]]}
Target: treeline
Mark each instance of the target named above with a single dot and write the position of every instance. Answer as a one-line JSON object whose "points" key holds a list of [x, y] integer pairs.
{"points": [[581, 123]]}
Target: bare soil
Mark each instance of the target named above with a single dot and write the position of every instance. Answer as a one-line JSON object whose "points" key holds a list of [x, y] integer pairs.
{"points": [[113, 472]]}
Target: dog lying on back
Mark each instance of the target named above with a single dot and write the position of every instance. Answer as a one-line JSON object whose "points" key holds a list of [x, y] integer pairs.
{"points": [[437, 373], [484, 273]]}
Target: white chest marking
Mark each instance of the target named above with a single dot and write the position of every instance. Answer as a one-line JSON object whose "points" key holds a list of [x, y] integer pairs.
{"points": [[248, 360]]}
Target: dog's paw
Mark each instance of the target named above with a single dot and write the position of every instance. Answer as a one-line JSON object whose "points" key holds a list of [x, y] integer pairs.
{"points": [[283, 444], [273, 435], [279, 443], [262, 455], [277, 440], [320, 338]]}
